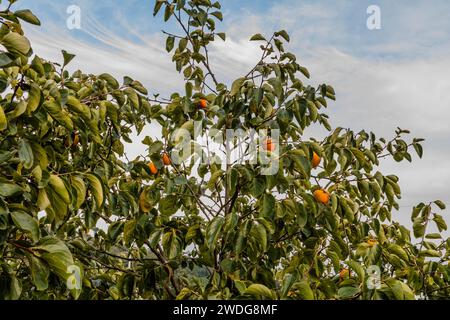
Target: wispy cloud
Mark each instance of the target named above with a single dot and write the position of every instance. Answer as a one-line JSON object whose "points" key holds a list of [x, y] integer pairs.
{"points": [[396, 77]]}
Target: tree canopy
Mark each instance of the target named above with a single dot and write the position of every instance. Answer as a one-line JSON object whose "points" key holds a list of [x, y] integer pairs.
{"points": [[79, 220]]}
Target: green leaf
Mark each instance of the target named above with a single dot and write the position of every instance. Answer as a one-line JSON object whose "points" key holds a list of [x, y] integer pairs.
{"points": [[284, 34], [132, 97], [302, 215], [34, 98], [9, 189], [407, 292], [96, 188], [74, 105], [15, 43], [58, 207], [268, 205], [171, 245], [227, 265], [214, 177], [260, 235], [67, 57], [242, 234], [213, 231], [433, 236], [430, 253], [5, 59], [4, 219], [258, 186], [440, 204], [36, 65], [170, 42], [56, 254], [20, 109], [419, 149], [182, 44], [330, 90], [218, 15], [113, 83], [28, 16], [57, 185], [155, 148], [114, 230], [304, 290], [168, 12], [305, 72], [13, 287], [288, 281], [418, 228], [39, 272], [188, 87], [80, 190], [58, 114], [42, 201], [399, 251], [222, 35], [240, 285], [136, 85], [260, 290], [236, 86], [37, 173], [348, 292], [302, 164], [27, 223], [257, 37], [3, 121], [158, 5], [168, 205], [128, 231], [440, 222], [400, 290], [26, 154], [355, 266]]}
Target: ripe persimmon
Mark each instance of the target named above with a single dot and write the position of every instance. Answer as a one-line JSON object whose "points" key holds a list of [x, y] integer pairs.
{"points": [[315, 160], [322, 196], [269, 145], [166, 159], [152, 168], [203, 103]]}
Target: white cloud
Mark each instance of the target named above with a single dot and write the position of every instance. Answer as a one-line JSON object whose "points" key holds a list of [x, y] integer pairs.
{"points": [[373, 94]]}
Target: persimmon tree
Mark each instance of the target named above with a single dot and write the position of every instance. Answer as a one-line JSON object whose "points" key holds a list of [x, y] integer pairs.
{"points": [[78, 219]]}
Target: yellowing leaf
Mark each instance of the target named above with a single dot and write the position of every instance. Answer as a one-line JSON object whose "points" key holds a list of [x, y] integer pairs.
{"points": [[236, 86], [260, 290], [27, 223], [28, 16], [16, 43], [34, 98], [96, 189], [57, 184], [42, 201], [80, 189], [3, 121]]}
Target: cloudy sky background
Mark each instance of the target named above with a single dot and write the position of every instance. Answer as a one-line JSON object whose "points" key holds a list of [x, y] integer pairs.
{"points": [[396, 76]]}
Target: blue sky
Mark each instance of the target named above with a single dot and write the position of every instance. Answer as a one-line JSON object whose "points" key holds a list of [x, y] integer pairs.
{"points": [[417, 25], [396, 76]]}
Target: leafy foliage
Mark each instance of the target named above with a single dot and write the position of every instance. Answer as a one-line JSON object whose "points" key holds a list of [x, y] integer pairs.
{"points": [[194, 231]]}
